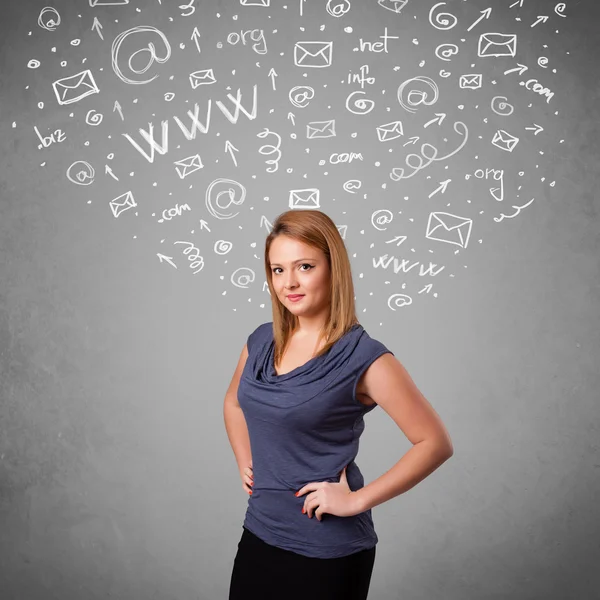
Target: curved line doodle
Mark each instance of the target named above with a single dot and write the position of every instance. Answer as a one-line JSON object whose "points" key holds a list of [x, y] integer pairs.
{"points": [[503, 107], [274, 149], [84, 176], [441, 20], [49, 18]]}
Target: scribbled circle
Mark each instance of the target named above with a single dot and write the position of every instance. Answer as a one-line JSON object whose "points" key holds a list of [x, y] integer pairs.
{"points": [[222, 247], [301, 95], [501, 106], [75, 42], [81, 173], [63, 63], [93, 118], [446, 51], [543, 61], [362, 106], [442, 20], [33, 64], [242, 277], [414, 97], [445, 74], [169, 96], [40, 104], [559, 9], [399, 300], [338, 8], [351, 185], [381, 217], [49, 19]]}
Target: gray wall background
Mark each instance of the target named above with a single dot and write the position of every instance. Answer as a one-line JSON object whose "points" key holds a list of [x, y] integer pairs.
{"points": [[116, 475]]}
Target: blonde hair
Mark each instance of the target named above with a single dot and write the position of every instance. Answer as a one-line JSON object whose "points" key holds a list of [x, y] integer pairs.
{"points": [[316, 229]]}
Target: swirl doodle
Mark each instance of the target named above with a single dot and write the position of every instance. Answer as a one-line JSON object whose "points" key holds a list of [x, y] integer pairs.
{"points": [[222, 247], [543, 62], [49, 19], [82, 171], [399, 300], [338, 8], [33, 64], [381, 217], [363, 106], [351, 185], [194, 256], [443, 21], [416, 97], [446, 51], [93, 118], [269, 149], [221, 212], [501, 106], [245, 277]]}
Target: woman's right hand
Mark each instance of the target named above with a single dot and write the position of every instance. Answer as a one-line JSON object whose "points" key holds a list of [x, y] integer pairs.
{"points": [[247, 476]]}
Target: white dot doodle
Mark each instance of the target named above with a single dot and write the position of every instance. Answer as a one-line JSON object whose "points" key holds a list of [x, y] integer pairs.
{"points": [[75, 42], [33, 64], [40, 105]]}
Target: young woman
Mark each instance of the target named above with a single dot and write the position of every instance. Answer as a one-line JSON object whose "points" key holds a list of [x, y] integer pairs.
{"points": [[294, 415]]}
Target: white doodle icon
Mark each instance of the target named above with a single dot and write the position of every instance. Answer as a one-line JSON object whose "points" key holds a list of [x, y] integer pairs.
{"points": [[108, 2], [203, 77], [313, 54], [471, 81], [189, 165], [122, 203], [74, 88], [49, 19], [301, 95], [234, 192], [390, 131], [504, 140], [320, 129], [414, 97], [497, 44], [445, 227], [265, 3], [393, 5], [307, 198], [81, 173]]}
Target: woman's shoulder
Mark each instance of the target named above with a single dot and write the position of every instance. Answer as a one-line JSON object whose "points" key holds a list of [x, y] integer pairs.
{"points": [[260, 334]]}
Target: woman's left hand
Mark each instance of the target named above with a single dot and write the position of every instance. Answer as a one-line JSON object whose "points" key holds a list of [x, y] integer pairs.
{"points": [[332, 498]]}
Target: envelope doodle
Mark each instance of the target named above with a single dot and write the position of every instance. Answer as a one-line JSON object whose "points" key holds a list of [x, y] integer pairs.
{"points": [[265, 3], [74, 88], [122, 203], [497, 44], [313, 54], [306, 198], [472, 81], [203, 77], [390, 131], [445, 227], [504, 140], [320, 129], [189, 165]]}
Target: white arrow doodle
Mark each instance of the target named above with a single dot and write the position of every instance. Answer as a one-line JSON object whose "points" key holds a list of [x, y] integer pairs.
{"points": [[118, 108], [540, 19], [97, 26], [442, 188], [229, 147], [536, 129], [168, 259], [412, 140], [204, 225], [485, 14], [264, 221], [291, 117], [108, 171], [521, 68], [398, 238], [519, 2], [439, 117], [196, 38], [426, 289], [272, 75]]}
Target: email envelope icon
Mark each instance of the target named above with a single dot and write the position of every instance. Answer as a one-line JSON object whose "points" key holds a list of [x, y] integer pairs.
{"points": [[497, 44], [313, 54], [448, 228], [108, 2], [204, 77], [74, 88], [307, 198], [189, 165], [320, 129], [255, 2], [472, 81], [393, 5], [122, 203], [390, 131], [504, 140]]}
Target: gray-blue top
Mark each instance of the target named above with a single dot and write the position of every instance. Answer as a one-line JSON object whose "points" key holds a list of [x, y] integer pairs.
{"points": [[305, 426]]}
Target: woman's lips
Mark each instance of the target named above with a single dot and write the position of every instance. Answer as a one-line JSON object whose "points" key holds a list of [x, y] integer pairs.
{"points": [[295, 298]]}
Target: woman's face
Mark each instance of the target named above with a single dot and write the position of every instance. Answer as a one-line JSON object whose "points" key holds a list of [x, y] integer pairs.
{"points": [[297, 268]]}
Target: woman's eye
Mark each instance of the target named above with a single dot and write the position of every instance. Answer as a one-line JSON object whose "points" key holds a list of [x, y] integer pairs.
{"points": [[307, 265]]}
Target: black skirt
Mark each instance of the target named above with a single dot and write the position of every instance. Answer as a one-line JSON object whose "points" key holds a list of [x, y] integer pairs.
{"points": [[271, 573]]}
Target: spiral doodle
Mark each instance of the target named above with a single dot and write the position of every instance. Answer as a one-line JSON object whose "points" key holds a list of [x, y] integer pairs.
{"points": [[33, 64], [301, 95], [443, 21], [49, 19], [244, 279], [449, 50], [399, 300], [559, 9], [337, 8], [195, 259], [218, 211], [93, 118], [363, 105], [501, 107], [351, 185], [269, 149], [543, 61], [222, 247], [420, 97], [82, 171]]}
